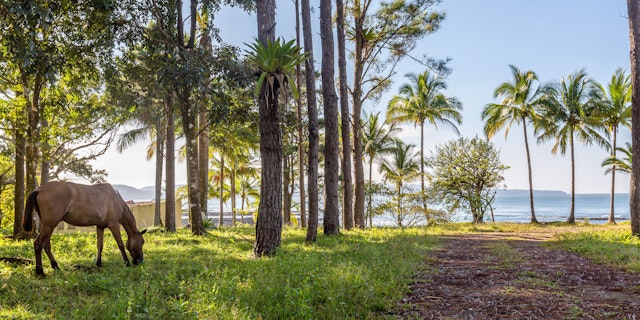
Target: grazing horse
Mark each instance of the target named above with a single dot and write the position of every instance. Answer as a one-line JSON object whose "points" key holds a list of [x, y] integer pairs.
{"points": [[81, 205]]}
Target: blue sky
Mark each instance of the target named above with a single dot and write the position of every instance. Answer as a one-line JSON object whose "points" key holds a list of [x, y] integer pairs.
{"points": [[553, 38]]}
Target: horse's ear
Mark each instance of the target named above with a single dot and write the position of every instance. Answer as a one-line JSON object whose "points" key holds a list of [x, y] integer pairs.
{"points": [[143, 231]]}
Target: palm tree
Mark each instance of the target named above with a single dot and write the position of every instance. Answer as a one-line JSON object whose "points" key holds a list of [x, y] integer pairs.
{"points": [[621, 164], [519, 101], [569, 113], [377, 139], [421, 100], [615, 110], [401, 168]]}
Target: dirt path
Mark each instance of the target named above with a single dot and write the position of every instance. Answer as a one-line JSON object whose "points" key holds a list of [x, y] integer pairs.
{"points": [[507, 276]]}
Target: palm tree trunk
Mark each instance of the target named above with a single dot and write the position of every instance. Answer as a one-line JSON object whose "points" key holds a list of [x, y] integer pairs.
{"points": [[19, 187], [424, 196], [370, 209], [572, 218], [203, 160], [526, 146], [160, 136], [612, 218], [232, 180], [312, 113]]}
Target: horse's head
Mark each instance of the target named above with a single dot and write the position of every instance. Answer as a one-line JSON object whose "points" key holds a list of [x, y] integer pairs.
{"points": [[134, 245]]}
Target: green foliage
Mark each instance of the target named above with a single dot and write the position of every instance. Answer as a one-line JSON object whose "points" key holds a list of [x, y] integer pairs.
{"points": [[276, 61], [356, 275], [465, 175]]}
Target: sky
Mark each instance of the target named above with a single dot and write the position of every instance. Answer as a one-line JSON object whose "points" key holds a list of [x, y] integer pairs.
{"points": [[552, 38]]}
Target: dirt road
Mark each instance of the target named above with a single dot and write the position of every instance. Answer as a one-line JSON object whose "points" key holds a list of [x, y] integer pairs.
{"points": [[515, 276]]}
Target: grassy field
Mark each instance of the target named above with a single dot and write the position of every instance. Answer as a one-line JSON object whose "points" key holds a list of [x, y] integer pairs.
{"points": [[359, 274]]}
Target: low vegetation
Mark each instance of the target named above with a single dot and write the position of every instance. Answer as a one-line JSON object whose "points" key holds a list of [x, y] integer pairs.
{"points": [[358, 274]]}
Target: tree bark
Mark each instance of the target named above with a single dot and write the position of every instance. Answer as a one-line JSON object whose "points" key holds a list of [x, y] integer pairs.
{"points": [[526, 146], [330, 101], [347, 180], [19, 188], [572, 217], [221, 191], [203, 159], [157, 217], [633, 9], [170, 193], [612, 216], [193, 183], [269, 223], [301, 158], [312, 111], [358, 208]]}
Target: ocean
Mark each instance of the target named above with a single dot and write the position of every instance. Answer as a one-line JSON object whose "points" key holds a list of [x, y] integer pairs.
{"points": [[551, 206]]}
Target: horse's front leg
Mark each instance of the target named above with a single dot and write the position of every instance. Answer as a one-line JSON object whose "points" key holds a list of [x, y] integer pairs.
{"points": [[116, 235], [100, 236]]}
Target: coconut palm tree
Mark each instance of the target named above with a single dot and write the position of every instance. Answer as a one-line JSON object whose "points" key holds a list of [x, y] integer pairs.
{"points": [[620, 164], [377, 139], [520, 98], [569, 108], [400, 168], [421, 100], [615, 110]]}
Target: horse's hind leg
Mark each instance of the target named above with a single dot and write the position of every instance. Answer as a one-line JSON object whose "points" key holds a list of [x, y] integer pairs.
{"points": [[44, 241], [100, 236], [116, 235]]}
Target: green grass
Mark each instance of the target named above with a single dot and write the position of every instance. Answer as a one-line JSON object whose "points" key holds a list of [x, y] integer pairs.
{"points": [[359, 274], [612, 245]]}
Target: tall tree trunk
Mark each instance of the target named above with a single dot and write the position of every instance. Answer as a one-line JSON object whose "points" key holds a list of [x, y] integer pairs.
{"points": [[633, 10], [423, 195], [347, 207], [526, 146], [203, 160], [221, 191], [269, 223], [330, 101], [612, 215], [193, 182], [286, 196], [157, 217], [33, 133], [232, 180], [572, 217], [312, 112], [170, 193], [301, 159], [19, 187], [358, 208], [370, 206]]}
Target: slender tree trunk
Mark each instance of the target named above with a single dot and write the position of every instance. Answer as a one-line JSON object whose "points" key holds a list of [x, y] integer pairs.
{"points": [[633, 10], [572, 217], [221, 214], [19, 187], [203, 160], [170, 192], [424, 196], [33, 133], [46, 149], [232, 178], [157, 217], [526, 147], [370, 207], [612, 216], [358, 208], [312, 113], [269, 223], [301, 159], [347, 207], [330, 101]]}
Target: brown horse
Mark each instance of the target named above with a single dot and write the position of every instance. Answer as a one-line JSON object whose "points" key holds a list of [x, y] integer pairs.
{"points": [[81, 205]]}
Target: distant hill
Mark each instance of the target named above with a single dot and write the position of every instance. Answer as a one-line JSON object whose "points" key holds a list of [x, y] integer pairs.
{"points": [[522, 192], [131, 193]]}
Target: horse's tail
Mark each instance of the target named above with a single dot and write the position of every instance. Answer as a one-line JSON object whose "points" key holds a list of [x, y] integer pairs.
{"points": [[27, 218]]}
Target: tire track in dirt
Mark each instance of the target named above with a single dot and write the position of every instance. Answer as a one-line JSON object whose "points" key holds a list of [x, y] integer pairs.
{"points": [[514, 276]]}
